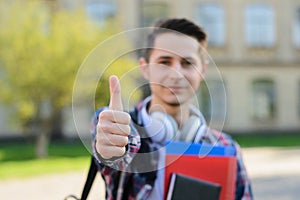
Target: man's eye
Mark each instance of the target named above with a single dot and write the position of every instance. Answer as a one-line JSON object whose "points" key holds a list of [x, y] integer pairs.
{"points": [[187, 63], [164, 62]]}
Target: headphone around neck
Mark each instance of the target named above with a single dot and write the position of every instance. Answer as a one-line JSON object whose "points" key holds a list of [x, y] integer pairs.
{"points": [[168, 124]]}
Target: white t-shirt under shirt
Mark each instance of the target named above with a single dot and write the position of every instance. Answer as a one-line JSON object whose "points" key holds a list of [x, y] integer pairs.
{"points": [[158, 190]]}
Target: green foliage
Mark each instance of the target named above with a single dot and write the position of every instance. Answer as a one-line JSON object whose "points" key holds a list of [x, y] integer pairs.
{"points": [[117, 67], [41, 51], [40, 55], [42, 47]]}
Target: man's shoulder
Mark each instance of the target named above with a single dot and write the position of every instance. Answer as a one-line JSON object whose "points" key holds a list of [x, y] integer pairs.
{"points": [[220, 137]]}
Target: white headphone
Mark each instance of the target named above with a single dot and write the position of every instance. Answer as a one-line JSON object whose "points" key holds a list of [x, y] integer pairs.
{"points": [[166, 123]]}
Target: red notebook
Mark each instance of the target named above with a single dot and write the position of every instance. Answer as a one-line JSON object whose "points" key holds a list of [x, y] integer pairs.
{"points": [[219, 169]]}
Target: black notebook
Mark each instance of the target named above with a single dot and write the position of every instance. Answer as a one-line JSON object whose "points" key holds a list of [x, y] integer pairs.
{"points": [[187, 188]]}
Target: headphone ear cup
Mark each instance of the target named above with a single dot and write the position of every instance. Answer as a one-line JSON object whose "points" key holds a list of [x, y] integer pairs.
{"points": [[189, 130], [167, 123]]}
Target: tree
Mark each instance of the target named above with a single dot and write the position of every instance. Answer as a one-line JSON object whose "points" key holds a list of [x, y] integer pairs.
{"points": [[40, 53]]}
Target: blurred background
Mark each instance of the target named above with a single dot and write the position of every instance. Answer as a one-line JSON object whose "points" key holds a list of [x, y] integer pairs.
{"points": [[255, 45]]}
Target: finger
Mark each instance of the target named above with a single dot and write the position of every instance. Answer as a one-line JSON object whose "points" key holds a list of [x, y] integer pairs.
{"points": [[118, 129], [113, 128], [115, 94], [119, 117], [108, 152], [115, 151], [113, 140]]}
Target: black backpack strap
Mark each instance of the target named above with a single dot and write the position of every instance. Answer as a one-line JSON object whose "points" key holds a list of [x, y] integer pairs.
{"points": [[88, 183], [89, 180]]}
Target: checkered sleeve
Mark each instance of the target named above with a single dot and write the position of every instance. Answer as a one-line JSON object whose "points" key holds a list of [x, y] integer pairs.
{"points": [[243, 185]]}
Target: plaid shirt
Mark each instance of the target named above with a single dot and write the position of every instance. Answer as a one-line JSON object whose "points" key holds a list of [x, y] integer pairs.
{"points": [[138, 185]]}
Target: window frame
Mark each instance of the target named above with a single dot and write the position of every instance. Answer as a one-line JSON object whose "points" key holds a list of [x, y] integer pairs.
{"points": [[208, 98], [148, 22], [97, 15], [217, 28], [296, 28], [267, 87], [262, 34]]}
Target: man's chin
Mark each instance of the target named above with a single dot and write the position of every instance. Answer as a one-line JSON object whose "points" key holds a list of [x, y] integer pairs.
{"points": [[175, 102]]}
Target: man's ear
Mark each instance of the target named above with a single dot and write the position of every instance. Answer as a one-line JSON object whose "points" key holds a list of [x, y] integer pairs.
{"points": [[204, 59], [204, 68], [144, 68]]}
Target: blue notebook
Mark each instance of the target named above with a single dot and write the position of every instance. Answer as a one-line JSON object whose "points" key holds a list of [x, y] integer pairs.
{"points": [[201, 149]]}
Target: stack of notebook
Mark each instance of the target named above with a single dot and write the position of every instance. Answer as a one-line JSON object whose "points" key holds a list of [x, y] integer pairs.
{"points": [[199, 171]]}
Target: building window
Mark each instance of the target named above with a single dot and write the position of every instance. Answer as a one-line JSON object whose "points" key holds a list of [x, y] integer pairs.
{"points": [[211, 17], [259, 25], [212, 100], [100, 11], [296, 29], [153, 11], [263, 99]]}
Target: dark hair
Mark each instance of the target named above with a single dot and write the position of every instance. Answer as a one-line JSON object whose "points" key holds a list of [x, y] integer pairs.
{"points": [[181, 25]]}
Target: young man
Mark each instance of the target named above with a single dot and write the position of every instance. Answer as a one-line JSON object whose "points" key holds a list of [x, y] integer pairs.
{"points": [[128, 146]]}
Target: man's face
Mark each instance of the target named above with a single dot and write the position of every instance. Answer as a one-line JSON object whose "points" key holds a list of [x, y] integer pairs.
{"points": [[174, 70]]}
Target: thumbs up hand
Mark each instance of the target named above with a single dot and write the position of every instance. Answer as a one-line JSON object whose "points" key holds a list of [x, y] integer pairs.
{"points": [[113, 125]]}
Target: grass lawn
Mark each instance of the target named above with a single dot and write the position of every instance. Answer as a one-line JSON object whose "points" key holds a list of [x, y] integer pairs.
{"points": [[268, 140], [18, 160]]}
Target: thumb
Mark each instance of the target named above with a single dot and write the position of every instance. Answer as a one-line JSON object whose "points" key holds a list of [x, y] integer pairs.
{"points": [[115, 94]]}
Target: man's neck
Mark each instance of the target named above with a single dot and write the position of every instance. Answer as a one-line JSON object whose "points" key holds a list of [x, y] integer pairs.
{"points": [[180, 112]]}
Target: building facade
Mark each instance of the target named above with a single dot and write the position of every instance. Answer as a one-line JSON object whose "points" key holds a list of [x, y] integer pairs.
{"points": [[255, 52], [255, 46]]}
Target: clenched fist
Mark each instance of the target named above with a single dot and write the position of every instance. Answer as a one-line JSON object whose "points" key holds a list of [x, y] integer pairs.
{"points": [[113, 125]]}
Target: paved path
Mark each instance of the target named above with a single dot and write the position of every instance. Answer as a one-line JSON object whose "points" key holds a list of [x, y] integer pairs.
{"points": [[275, 175], [275, 172]]}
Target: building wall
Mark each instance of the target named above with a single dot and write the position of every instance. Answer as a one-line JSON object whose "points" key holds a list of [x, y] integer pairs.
{"points": [[239, 64], [239, 80]]}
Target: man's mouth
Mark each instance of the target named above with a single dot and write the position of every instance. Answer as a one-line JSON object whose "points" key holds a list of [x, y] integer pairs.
{"points": [[175, 88]]}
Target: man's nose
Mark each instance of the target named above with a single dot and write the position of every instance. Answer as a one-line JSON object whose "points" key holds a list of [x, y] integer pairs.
{"points": [[176, 70]]}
